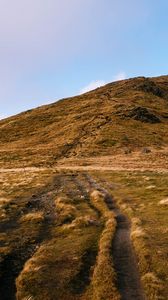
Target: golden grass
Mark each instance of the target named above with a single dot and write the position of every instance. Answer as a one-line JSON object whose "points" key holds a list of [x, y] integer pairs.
{"points": [[20, 183], [148, 225], [4, 203], [28, 298], [97, 199], [66, 211], [55, 271], [152, 285], [104, 277], [63, 257], [80, 222], [36, 217], [49, 273], [98, 120], [4, 251]]}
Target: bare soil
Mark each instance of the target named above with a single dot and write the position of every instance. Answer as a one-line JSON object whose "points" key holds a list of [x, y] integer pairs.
{"points": [[125, 262]]}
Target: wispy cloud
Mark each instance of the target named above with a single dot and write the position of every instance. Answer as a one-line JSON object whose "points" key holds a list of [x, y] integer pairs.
{"points": [[92, 86], [98, 83], [120, 76], [3, 117]]}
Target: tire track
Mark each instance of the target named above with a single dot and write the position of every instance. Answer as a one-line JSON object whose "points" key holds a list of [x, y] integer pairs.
{"points": [[125, 263], [124, 258], [23, 250], [79, 187]]}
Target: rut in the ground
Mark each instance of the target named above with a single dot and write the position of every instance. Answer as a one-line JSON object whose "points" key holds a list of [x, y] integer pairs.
{"points": [[76, 187], [13, 263], [124, 258], [125, 263]]}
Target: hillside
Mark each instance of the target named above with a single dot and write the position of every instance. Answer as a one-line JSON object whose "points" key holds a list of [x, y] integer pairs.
{"points": [[118, 118], [83, 196]]}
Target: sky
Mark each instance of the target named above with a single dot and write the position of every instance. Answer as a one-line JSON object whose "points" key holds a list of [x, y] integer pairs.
{"points": [[52, 49]]}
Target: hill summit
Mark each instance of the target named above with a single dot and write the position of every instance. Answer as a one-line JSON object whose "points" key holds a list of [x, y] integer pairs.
{"points": [[120, 117]]}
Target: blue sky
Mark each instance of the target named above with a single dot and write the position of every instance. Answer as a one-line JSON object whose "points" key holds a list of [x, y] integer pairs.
{"points": [[51, 49]]}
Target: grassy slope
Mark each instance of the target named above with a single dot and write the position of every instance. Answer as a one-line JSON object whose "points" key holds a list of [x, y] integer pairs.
{"points": [[97, 123], [100, 122]]}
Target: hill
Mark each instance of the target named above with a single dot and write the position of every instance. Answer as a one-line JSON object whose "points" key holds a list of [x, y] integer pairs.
{"points": [[120, 117], [83, 196]]}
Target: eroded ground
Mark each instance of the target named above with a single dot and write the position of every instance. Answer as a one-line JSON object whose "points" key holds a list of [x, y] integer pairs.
{"points": [[52, 234]]}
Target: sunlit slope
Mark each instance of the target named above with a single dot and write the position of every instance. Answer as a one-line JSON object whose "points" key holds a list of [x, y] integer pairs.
{"points": [[125, 115]]}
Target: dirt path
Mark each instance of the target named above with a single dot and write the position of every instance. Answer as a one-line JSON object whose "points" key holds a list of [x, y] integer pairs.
{"points": [[91, 167], [78, 185], [125, 264]]}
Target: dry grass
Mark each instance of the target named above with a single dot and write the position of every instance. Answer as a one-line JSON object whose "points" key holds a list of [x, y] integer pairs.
{"points": [[21, 183], [50, 273], [36, 217], [104, 277], [28, 298], [68, 235], [153, 286], [81, 222], [163, 202], [63, 255], [66, 211], [100, 120], [98, 201], [149, 224]]}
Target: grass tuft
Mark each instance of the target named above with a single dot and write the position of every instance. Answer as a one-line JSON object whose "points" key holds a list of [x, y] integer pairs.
{"points": [[153, 286], [66, 212], [104, 276], [33, 217]]}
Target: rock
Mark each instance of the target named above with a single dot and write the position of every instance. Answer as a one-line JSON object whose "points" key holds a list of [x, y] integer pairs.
{"points": [[143, 114], [149, 86], [146, 150], [127, 151]]}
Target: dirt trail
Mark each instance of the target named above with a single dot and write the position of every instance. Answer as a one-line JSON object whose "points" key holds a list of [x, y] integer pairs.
{"points": [[125, 264], [132, 167], [76, 186]]}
